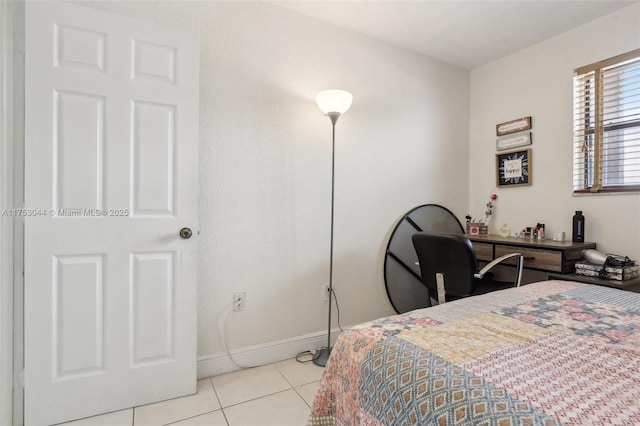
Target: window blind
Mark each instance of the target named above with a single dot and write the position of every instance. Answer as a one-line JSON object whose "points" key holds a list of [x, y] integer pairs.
{"points": [[606, 125]]}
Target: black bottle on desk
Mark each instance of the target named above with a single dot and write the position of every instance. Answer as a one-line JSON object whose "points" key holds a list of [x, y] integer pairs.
{"points": [[578, 227]]}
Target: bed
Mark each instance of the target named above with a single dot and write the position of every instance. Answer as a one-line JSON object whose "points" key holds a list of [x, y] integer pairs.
{"points": [[547, 353]]}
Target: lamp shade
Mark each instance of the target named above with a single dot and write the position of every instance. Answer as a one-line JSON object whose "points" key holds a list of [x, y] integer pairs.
{"points": [[334, 101]]}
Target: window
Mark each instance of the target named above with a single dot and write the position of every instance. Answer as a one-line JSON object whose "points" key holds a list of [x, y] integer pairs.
{"points": [[606, 125]]}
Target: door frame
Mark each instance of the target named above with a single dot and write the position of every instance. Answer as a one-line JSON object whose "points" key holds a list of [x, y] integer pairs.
{"points": [[11, 190], [6, 192]]}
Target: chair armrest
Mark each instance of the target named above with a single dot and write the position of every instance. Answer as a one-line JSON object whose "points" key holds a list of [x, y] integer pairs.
{"points": [[497, 261]]}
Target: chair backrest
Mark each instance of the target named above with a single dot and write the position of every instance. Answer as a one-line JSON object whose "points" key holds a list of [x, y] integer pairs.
{"points": [[451, 255]]}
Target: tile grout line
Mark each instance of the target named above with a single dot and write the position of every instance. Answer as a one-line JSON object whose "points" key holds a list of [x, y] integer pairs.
{"points": [[275, 367], [256, 398], [289, 383], [194, 416], [295, 388], [219, 402], [304, 400], [283, 376], [301, 384], [215, 392]]}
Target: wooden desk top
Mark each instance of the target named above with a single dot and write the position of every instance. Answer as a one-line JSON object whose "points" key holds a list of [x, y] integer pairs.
{"points": [[546, 244]]}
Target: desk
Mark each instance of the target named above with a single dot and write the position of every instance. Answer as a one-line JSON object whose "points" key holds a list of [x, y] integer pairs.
{"points": [[539, 255]]}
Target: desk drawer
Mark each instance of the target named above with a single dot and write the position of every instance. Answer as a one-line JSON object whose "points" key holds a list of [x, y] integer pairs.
{"points": [[483, 251], [547, 260]]}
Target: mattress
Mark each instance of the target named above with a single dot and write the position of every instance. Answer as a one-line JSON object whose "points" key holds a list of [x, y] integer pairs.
{"points": [[546, 353]]}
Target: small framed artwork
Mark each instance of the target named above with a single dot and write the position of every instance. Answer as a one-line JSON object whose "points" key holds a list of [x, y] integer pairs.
{"points": [[513, 168], [513, 126], [513, 141]]}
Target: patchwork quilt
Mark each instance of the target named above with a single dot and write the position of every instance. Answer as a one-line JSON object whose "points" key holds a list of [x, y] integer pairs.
{"points": [[547, 353]]}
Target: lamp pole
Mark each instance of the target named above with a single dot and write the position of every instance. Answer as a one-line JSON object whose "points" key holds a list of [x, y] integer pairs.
{"points": [[334, 119], [323, 356], [331, 102]]}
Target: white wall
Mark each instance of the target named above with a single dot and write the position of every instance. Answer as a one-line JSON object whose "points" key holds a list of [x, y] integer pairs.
{"points": [[265, 161], [537, 82]]}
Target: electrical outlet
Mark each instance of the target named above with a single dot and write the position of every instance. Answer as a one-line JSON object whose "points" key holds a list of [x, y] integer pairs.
{"points": [[239, 301], [325, 293]]}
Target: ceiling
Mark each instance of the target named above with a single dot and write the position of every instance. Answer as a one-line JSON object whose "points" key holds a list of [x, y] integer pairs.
{"points": [[463, 33]]}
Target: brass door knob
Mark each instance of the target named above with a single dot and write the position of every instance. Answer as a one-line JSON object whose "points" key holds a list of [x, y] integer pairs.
{"points": [[186, 233]]}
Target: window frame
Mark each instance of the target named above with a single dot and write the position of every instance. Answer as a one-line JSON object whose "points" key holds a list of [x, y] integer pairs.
{"points": [[591, 101]]}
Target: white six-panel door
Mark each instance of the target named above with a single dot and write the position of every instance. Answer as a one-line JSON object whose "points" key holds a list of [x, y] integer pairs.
{"points": [[111, 178]]}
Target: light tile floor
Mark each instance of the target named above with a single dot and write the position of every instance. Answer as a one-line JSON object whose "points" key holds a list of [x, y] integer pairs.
{"points": [[276, 394]]}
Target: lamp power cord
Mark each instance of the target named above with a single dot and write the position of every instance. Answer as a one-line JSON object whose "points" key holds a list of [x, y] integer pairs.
{"points": [[315, 353], [223, 333]]}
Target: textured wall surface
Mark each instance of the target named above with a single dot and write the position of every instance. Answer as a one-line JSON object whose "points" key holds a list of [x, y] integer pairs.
{"points": [[538, 82], [265, 163]]}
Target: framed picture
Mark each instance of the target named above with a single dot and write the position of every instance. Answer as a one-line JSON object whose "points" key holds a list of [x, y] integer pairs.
{"points": [[513, 168], [513, 141], [513, 126]]}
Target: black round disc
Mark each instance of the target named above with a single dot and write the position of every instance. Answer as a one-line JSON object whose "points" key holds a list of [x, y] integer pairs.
{"points": [[401, 274]]}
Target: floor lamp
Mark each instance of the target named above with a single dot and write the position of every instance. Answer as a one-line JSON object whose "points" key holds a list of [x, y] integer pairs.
{"points": [[333, 103]]}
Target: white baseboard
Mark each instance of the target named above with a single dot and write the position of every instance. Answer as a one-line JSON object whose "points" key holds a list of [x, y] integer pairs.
{"points": [[252, 356]]}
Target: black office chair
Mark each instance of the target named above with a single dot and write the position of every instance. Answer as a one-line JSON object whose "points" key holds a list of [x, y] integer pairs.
{"points": [[449, 268]]}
